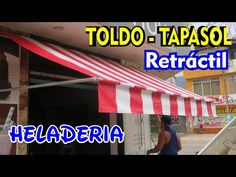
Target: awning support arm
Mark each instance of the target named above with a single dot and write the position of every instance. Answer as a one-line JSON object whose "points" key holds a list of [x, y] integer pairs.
{"points": [[74, 81], [230, 145]]}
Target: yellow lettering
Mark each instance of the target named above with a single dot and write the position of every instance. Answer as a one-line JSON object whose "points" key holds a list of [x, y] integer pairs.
{"points": [[226, 40], [184, 33], [106, 36], [173, 38], [124, 31], [91, 31], [140, 31], [204, 35], [193, 38], [163, 30], [113, 34], [213, 39]]}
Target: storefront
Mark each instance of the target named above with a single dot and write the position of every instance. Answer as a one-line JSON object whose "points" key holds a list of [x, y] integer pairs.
{"points": [[226, 108], [103, 92], [9, 78]]}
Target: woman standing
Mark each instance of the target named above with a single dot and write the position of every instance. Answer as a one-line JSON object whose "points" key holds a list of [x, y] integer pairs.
{"points": [[168, 142]]}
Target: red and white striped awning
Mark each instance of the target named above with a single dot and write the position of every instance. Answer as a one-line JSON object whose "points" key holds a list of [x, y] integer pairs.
{"points": [[122, 89]]}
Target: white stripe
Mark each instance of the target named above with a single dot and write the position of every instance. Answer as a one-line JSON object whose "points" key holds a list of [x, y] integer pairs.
{"points": [[123, 99], [184, 93], [97, 66], [65, 58], [213, 108], [97, 69], [169, 86], [193, 107], [140, 78], [120, 72], [181, 107], [165, 101], [204, 109], [166, 85], [147, 102], [166, 89]]}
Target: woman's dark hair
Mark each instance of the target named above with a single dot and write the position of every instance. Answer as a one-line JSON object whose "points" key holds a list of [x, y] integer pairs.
{"points": [[166, 120]]}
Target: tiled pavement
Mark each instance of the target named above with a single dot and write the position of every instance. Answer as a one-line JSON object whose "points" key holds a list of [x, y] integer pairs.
{"points": [[192, 143]]}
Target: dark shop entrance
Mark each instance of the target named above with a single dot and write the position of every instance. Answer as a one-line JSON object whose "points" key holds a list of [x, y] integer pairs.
{"points": [[74, 104]]}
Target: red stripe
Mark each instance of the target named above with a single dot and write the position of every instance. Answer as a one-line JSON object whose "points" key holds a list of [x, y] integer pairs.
{"points": [[136, 103], [173, 106], [72, 66], [199, 107], [143, 77], [78, 61], [159, 82], [92, 61], [187, 107], [209, 108], [41, 52], [157, 104], [163, 82], [107, 96], [122, 73], [134, 74]]}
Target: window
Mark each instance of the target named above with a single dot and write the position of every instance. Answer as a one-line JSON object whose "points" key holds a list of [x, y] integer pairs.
{"points": [[233, 54], [232, 51], [215, 85], [206, 87], [197, 88]]}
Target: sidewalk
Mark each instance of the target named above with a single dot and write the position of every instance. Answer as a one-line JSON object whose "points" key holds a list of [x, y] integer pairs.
{"points": [[192, 143]]}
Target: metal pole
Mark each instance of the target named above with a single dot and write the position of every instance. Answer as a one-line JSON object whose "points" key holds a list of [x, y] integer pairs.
{"points": [[75, 81], [226, 95]]}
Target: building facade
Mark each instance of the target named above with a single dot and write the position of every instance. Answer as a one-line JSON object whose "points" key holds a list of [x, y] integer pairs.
{"points": [[217, 84], [77, 104], [51, 105]]}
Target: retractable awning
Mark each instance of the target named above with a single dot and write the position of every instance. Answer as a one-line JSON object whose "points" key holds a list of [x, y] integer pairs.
{"points": [[122, 89]]}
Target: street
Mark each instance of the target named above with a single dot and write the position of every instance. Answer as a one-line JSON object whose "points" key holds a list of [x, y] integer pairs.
{"points": [[192, 143]]}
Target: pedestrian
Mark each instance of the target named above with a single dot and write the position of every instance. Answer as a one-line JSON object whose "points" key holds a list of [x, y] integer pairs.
{"points": [[200, 126], [168, 142]]}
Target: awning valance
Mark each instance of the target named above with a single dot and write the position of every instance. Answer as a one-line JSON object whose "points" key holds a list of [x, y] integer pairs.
{"points": [[122, 89]]}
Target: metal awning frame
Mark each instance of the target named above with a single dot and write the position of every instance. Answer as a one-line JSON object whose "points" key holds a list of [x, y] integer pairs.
{"points": [[59, 83]]}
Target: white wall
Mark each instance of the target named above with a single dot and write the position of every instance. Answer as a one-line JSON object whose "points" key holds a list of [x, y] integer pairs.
{"points": [[14, 78], [137, 133]]}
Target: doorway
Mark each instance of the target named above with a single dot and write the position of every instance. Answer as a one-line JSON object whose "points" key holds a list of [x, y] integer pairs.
{"points": [[75, 104]]}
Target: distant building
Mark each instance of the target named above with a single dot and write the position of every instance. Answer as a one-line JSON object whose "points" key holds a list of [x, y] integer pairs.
{"points": [[180, 82], [216, 83]]}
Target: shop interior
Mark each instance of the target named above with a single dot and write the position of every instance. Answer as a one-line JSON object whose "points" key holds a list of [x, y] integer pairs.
{"points": [[74, 104]]}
